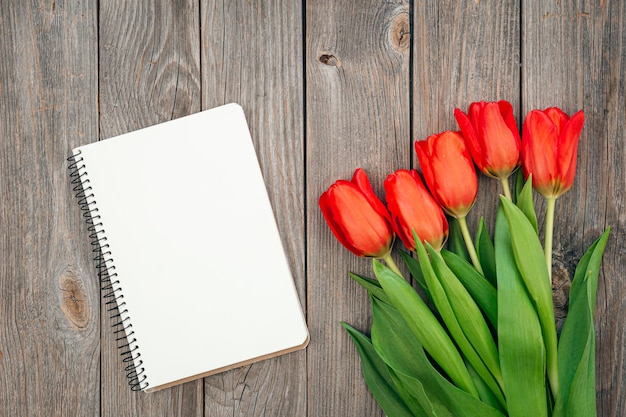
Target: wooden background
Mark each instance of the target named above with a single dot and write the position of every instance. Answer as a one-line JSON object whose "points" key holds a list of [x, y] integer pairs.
{"points": [[327, 86]]}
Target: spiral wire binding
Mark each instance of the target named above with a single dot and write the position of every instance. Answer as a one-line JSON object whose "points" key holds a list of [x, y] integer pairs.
{"points": [[111, 291]]}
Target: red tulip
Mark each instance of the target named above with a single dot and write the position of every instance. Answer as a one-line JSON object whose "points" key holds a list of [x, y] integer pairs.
{"points": [[492, 137], [449, 172], [357, 218], [549, 149], [413, 208]]}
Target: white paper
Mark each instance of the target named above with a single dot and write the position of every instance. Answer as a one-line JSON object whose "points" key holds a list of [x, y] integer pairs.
{"points": [[195, 245]]}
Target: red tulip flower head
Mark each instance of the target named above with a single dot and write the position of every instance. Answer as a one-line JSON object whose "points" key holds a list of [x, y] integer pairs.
{"points": [[491, 136], [357, 218], [413, 208], [549, 149], [449, 172]]}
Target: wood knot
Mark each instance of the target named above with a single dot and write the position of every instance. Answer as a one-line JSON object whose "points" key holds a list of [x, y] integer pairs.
{"points": [[400, 32], [329, 59], [561, 283], [74, 300]]}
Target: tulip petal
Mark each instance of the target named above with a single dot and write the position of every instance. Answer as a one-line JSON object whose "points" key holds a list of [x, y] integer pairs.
{"points": [[361, 180], [539, 150], [475, 113], [456, 183], [361, 224], [471, 137], [400, 199], [558, 117], [506, 109], [354, 222], [448, 171], [413, 208], [422, 149], [568, 149], [500, 146], [335, 228]]}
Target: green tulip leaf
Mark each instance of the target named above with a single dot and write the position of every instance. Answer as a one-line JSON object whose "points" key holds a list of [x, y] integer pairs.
{"points": [[413, 393], [424, 325], [481, 290], [454, 322], [377, 376], [518, 184], [520, 342], [485, 393], [402, 352], [531, 264], [456, 244], [416, 272], [577, 394], [467, 325], [525, 203], [485, 252], [372, 286]]}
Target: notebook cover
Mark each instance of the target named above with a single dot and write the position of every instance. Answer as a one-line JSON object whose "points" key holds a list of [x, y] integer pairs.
{"points": [[196, 252]]}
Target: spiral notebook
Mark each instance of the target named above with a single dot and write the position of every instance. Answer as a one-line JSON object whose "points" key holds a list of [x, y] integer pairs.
{"points": [[190, 250]]}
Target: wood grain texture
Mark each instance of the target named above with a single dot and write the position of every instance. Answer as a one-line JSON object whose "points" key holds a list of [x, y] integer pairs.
{"points": [[357, 115], [49, 308], [574, 58], [149, 73], [327, 87], [465, 52], [252, 54]]}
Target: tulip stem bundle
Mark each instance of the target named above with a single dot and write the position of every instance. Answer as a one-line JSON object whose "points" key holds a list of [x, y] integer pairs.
{"points": [[550, 205], [471, 250]]}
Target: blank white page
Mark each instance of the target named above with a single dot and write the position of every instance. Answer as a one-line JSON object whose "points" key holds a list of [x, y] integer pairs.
{"points": [[195, 246]]}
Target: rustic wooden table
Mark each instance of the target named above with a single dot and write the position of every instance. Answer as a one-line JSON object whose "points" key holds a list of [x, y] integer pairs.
{"points": [[327, 87]]}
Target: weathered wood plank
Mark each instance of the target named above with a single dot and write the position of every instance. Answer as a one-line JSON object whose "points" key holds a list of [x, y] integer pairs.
{"points": [[358, 101], [149, 73], [357, 115], [49, 314], [252, 54], [464, 52], [574, 58]]}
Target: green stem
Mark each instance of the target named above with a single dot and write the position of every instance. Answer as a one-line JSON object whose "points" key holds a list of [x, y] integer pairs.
{"points": [[547, 246], [469, 244], [392, 264], [506, 188]]}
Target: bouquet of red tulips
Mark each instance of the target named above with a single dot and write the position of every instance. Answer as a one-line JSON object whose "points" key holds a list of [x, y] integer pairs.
{"points": [[478, 336]]}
